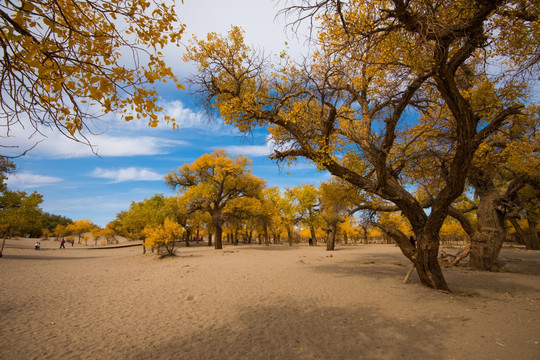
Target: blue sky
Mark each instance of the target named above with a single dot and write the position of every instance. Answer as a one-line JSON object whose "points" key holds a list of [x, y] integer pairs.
{"points": [[133, 158]]}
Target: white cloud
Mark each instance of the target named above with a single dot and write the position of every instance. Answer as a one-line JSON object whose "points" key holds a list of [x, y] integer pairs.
{"points": [[127, 174], [133, 146], [249, 150], [106, 146], [52, 144], [185, 117], [27, 180], [253, 150], [263, 29]]}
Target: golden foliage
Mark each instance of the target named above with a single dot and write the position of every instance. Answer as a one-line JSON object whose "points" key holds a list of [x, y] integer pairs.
{"points": [[163, 235], [395, 92], [216, 184], [69, 61]]}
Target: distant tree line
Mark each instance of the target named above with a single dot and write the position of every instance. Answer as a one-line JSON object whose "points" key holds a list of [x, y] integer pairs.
{"points": [[220, 201], [20, 214]]}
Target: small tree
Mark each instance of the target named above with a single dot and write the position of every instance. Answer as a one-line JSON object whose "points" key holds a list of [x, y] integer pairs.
{"points": [[164, 235], [45, 233], [305, 202], [108, 233], [334, 208], [80, 227], [59, 231]]}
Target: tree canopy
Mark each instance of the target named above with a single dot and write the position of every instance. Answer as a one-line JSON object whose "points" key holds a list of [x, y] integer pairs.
{"points": [[387, 78], [213, 182], [66, 63]]}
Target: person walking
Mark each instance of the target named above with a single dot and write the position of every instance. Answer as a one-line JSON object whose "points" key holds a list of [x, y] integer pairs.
{"points": [[62, 244]]}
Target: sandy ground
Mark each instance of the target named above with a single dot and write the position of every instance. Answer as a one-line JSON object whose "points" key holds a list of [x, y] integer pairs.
{"points": [[257, 302]]}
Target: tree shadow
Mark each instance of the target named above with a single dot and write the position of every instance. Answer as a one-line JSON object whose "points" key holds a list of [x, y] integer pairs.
{"points": [[296, 331], [460, 279], [42, 257], [490, 283], [378, 266], [262, 247]]}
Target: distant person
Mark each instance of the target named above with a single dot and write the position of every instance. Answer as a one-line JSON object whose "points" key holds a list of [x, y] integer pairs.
{"points": [[37, 246], [413, 242], [63, 244]]}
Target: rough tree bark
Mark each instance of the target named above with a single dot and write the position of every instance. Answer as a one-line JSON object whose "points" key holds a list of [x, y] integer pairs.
{"points": [[533, 234], [219, 233], [529, 239], [313, 235], [487, 241], [424, 258], [266, 237], [188, 237], [331, 241], [426, 261]]}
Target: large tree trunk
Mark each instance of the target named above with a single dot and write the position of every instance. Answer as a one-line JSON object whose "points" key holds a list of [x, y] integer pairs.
{"points": [[427, 263], [486, 242], [520, 232], [235, 237], [364, 234], [188, 237], [533, 234], [424, 257], [313, 235], [266, 238], [529, 239], [219, 233], [331, 242]]}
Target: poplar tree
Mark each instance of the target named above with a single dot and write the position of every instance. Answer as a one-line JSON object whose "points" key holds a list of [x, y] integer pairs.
{"points": [[380, 70]]}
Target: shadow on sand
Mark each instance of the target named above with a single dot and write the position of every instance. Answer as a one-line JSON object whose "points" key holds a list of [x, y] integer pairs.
{"points": [[293, 331], [44, 257]]}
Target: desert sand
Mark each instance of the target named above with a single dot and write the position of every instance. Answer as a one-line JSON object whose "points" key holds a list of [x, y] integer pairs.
{"points": [[260, 302]]}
